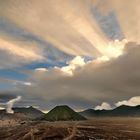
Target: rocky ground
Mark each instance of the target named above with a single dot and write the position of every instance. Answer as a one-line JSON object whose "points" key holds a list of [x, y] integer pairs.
{"points": [[95, 129]]}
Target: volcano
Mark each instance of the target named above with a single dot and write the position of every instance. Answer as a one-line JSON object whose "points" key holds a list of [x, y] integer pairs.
{"points": [[63, 113]]}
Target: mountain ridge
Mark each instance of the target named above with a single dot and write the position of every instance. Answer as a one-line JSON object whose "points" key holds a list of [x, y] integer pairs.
{"points": [[22, 113], [121, 111]]}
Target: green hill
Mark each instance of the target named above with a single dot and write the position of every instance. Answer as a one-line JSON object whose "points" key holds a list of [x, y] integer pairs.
{"points": [[63, 113]]}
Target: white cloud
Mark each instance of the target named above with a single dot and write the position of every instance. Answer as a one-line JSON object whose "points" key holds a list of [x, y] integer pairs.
{"points": [[134, 101], [76, 62], [16, 83], [41, 69], [103, 106], [27, 83]]}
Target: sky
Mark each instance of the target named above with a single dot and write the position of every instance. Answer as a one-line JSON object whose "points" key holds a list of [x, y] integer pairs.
{"points": [[82, 53]]}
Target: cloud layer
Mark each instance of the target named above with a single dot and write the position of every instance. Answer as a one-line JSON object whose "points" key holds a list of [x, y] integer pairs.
{"points": [[96, 81]]}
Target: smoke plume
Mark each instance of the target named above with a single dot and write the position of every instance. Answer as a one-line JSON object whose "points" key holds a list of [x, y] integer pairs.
{"points": [[11, 103]]}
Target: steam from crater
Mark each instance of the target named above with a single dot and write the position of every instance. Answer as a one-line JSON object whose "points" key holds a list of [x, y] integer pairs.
{"points": [[11, 103]]}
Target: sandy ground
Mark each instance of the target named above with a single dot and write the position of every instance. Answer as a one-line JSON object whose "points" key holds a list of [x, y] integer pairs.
{"points": [[94, 129]]}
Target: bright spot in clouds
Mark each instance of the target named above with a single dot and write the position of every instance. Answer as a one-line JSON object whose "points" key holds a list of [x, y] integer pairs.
{"points": [[76, 62]]}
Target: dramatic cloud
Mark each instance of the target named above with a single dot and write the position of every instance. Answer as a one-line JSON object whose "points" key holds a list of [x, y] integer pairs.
{"points": [[95, 81], [81, 29], [103, 106], [77, 31]]}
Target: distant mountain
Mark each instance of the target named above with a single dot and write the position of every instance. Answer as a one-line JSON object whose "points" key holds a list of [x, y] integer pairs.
{"points": [[121, 111], [63, 113], [31, 112], [22, 113]]}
